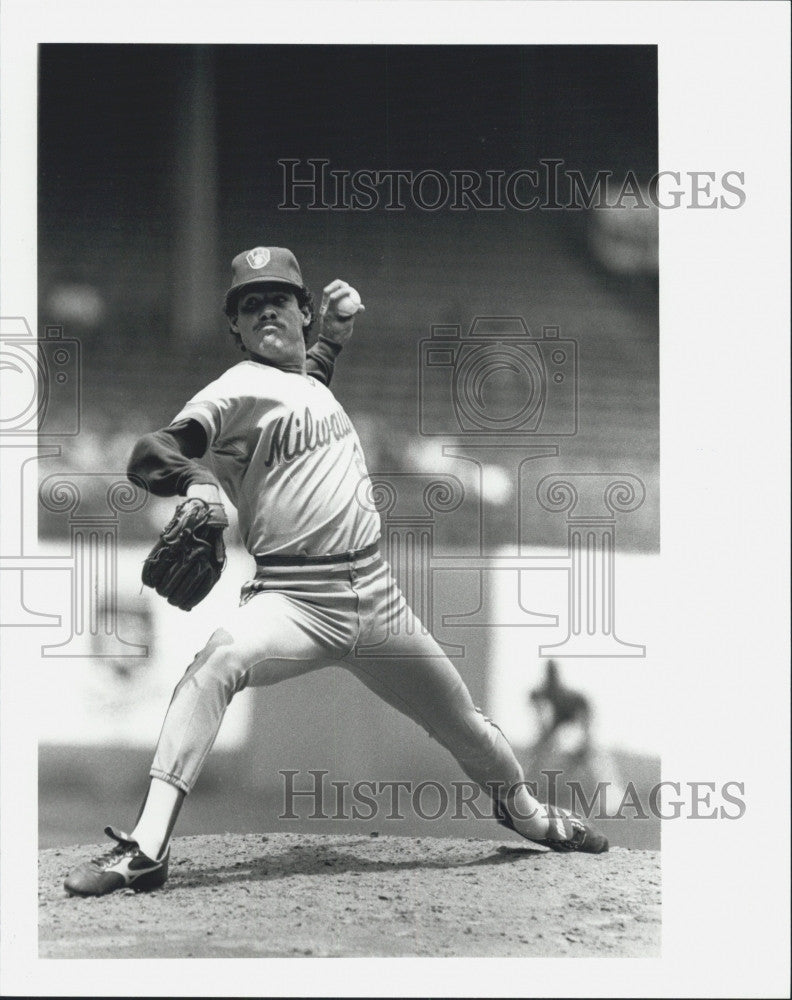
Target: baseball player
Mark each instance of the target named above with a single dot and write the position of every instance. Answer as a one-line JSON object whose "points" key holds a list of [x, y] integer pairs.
{"points": [[270, 432]]}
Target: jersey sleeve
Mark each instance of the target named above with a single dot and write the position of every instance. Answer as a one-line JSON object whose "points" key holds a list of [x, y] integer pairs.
{"points": [[213, 407]]}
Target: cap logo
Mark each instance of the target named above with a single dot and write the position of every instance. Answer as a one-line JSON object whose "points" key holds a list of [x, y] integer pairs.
{"points": [[258, 257]]}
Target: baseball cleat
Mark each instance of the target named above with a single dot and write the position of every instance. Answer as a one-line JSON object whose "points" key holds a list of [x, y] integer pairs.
{"points": [[123, 866], [579, 836]]}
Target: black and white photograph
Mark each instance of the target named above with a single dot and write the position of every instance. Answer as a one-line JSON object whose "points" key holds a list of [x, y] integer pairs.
{"points": [[394, 499]]}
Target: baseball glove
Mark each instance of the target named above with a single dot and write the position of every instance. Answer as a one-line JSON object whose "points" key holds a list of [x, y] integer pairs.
{"points": [[189, 555]]}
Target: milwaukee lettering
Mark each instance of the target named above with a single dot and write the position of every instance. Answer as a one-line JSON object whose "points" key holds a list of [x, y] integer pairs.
{"points": [[292, 436]]}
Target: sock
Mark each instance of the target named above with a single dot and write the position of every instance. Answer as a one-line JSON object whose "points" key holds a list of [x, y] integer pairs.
{"points": [[530, 816], [157, 818], [532, 819]]}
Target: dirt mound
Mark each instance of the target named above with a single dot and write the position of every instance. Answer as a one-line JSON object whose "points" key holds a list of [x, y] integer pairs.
{"points": [[296, 895]]}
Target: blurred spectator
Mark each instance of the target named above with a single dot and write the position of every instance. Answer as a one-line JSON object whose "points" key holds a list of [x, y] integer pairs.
{"points": [[558, 707], [75, 303], [624, 239]]}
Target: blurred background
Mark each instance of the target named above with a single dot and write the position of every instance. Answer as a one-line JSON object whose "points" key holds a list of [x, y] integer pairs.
{"points": [[157, 164]]}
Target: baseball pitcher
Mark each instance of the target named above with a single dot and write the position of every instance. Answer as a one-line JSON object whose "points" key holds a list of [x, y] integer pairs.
{"points": [[271, 433]]}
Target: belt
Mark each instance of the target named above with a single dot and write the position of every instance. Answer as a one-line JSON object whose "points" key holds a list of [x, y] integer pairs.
{"points": [[328, 560]]}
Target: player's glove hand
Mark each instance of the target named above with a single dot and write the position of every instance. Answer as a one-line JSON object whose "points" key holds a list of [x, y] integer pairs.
{"points": [[189, 556]]}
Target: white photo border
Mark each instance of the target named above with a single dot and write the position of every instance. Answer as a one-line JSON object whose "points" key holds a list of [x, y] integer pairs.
{"points": [[724, 322]]}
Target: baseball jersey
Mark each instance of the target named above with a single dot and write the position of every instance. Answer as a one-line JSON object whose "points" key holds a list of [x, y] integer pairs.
{"points": [[289, 459]]}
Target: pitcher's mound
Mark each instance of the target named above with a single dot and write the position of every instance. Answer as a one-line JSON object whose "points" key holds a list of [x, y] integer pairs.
{"points": [[297, 895]]}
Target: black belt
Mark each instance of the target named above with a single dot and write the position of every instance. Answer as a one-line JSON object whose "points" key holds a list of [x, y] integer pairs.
{"points": [[329, 560]]}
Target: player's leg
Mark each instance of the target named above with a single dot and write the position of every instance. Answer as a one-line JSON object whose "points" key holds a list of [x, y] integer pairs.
{"points": [[269, 639], [424, 685], [266, 640], [412, 673]]}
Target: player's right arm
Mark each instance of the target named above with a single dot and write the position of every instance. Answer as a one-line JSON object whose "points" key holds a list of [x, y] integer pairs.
{"points": [[320, 359], [335, 329], [165, 461]]}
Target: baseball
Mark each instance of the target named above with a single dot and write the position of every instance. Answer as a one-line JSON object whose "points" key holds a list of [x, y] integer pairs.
{"points": [[349, 304]]}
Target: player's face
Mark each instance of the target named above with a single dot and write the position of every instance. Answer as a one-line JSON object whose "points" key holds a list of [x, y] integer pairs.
{"points": [[271, 324]]}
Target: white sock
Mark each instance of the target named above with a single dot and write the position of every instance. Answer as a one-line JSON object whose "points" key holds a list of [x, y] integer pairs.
{"points": [[530, 816], [153, 828]]}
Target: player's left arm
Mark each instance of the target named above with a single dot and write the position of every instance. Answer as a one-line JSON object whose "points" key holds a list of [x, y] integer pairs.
{"points": [[189, 556], [164, 462], [340, 304]]}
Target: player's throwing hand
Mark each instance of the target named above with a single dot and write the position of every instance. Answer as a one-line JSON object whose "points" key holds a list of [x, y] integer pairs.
{"points": [[340, 304]]}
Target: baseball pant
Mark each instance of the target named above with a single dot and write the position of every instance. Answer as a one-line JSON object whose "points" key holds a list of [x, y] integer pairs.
{"points": [[297, 618]]}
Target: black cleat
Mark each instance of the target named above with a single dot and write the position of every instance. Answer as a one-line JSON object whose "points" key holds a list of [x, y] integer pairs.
{"points": [[579, 835], [123, 866]]}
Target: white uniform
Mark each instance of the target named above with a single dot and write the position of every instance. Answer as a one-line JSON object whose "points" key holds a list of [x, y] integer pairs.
{"points": [[289, 459]]}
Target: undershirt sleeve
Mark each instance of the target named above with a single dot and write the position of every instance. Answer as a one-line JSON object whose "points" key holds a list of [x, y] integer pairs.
{"points": [[320, 359], [165, 461]]}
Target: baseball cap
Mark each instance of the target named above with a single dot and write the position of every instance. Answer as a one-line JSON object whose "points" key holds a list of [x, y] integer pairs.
{"points": [[263, 264]]}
